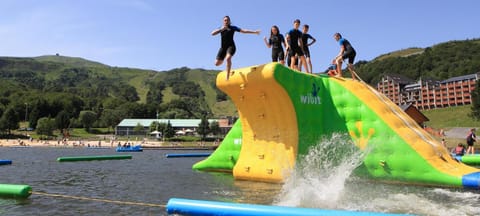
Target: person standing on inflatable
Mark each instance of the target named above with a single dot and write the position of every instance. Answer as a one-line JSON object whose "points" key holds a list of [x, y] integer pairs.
{"points": [[471, 138], [295, 46], [305, 37], [346, 52], [275, 42], [227, 49]]}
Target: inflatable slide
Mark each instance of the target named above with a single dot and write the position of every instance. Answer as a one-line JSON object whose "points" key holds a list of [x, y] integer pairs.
{"points": [[284, 112]]}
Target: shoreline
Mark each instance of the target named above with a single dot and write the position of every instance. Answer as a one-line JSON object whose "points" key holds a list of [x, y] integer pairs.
{"points": [[102, 144]]}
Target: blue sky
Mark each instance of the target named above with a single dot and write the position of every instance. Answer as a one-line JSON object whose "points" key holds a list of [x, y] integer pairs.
{"points": [[162, 35]]}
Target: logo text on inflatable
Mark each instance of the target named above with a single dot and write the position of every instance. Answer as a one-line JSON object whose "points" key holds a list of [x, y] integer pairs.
{"points": [[312, 98]]}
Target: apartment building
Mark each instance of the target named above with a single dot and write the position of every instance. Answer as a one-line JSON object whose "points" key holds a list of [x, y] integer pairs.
{"points": [[428, 93]]}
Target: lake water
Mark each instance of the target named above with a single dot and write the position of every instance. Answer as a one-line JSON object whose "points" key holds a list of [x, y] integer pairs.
{"points": [[151, 178]]}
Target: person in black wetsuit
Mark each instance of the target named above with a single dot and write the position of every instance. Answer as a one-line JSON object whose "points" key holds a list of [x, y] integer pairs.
{"points": [[346, 52], [275, 42], [227, 49], [295, 46], [305, 37]]}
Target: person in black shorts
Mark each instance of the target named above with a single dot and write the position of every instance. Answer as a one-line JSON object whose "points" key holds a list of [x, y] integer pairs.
{"points": [[305, 37], [471, 138], [275, 42], [295, 46], [346, 52], [227, 49]]}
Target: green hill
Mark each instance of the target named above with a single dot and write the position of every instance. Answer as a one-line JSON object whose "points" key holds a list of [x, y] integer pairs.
{"points": [[441, 61], [48, 86]]}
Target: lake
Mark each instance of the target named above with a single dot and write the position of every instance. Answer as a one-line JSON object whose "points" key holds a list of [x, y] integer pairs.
{"points": [[151, 178]]}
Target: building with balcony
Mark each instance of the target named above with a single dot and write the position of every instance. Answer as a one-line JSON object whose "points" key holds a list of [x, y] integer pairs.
{"points": [[428, 93]]}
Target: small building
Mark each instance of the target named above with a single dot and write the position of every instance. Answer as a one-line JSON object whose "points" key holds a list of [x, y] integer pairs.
{"points": [[415, 114]]}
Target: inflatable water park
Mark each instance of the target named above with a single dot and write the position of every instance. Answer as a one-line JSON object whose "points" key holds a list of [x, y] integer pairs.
{"points": [[283, 113]]}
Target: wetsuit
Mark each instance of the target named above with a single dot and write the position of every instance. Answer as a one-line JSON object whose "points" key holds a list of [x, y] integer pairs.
{"points": [[305, 38], [295, 34], [349, 52], [277, 50], [228, 45]]}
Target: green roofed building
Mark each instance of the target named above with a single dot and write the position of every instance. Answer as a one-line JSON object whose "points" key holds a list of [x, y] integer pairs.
{"points": [[181, 126]]}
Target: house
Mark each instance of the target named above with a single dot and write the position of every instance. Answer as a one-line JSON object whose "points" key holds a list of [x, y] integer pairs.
{"points": [[415, 114]]}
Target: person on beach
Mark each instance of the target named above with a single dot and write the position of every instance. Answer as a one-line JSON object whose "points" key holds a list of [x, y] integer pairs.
{"points": [[305, 37], [276, 42], [471, 139], [227, 48], [295, 46], [346, 52]]}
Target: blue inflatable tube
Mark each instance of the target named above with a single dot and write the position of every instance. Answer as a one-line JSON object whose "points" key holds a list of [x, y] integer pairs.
{"points": [[204, 208], [5, 162], [188, 155]]}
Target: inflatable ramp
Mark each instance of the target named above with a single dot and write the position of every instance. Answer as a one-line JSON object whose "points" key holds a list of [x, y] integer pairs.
{"points": [[284, 112]]}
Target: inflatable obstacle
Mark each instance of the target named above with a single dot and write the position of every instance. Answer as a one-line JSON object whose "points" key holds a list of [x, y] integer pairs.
{"points": [[173, 155], [201, 207], [285, 112], [15, 191], [5, 162], [91, 158], [473, 159]]}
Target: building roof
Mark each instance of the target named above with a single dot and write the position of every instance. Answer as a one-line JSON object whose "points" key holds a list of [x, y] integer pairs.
{"points": [[174, 122], [460, 78], [400, 78]]}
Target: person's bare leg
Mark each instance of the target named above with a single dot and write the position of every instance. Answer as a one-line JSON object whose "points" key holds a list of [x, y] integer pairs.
{"points": [[354, 74], [293, 63], [309, 64], [339, 67], [229, 65], [303, 61]]}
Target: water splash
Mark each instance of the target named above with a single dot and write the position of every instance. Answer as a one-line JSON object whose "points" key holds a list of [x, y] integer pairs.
{"points": [[319, 177]]}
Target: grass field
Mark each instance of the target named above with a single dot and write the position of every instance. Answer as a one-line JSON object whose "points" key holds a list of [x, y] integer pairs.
{"points": [[451, 117]]}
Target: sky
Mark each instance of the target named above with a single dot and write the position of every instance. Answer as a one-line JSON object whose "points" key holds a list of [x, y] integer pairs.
{"points": [[163, 35]]}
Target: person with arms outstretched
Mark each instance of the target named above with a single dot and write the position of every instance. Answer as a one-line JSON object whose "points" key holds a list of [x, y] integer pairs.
{"points": [[346, 52], [295, 46], [305, 37], [275, 42], [227, 48]]}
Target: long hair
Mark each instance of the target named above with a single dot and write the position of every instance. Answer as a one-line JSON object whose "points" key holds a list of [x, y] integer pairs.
{"points": [[271, 32]]}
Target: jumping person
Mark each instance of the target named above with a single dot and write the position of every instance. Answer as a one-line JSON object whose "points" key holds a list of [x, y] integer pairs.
{"points": [[295, 46], [346, 52], [227, 49], [275, 42], [305, 37]]}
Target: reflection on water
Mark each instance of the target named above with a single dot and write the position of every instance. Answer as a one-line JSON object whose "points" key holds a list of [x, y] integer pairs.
{"points": [[323, 179]]}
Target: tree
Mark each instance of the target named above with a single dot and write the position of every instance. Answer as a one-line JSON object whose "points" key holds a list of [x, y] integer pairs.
{"points": [[169, 131], [45, 126], [9, 120], [215, 128], [87, 118], [110, 118], [138, 129], [203, 127], [476, 102], [62, 120]]}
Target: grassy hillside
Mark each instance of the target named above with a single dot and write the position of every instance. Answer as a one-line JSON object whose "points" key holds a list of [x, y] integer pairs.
{"points": [[73, 61], [400, 53], [451, 117]]}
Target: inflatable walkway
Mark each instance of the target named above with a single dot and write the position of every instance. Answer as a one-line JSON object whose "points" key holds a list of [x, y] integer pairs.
{"points": [[284, 112]]}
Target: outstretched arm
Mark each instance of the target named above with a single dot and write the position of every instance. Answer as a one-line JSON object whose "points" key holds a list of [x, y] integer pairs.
{"points": [[246, 31]]}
